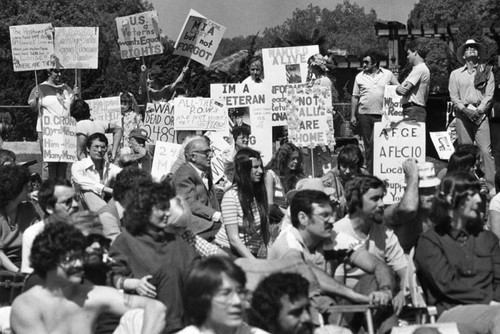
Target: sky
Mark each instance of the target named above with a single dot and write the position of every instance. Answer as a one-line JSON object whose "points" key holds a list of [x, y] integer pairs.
{"points": [[246, 17]]}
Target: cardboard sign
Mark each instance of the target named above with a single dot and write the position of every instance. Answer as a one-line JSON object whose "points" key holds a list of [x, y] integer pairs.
{"points": [[77, 47], [222, 155], [107, 109], [159, 122], [200, 114], [59, 138], [199, 38], [392, 107], [32, 47], [391, 147], [287, 65], [246, 105], [443, 144], [310, 120], [164, 158], [139, 35]]}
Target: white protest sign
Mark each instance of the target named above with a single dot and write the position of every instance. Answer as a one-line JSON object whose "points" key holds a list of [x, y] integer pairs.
{"points": [[392, 107], [77, 47], [32, 47], [159, 122], [287, 65], [310, 120], [442, 144], [247, 107], [391, 147], [106, 109], [199, 38], [164, 158], [222, 154], [139, 35], [59, 138], [199, 113]]}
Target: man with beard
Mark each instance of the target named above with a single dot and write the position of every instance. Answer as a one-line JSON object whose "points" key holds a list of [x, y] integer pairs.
{"points": [[365, 204], [63, 303]]}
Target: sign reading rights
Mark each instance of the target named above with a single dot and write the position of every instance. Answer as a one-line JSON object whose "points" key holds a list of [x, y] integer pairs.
{"points": [[164, 158], [139, 35], [77, 47], [32, 47], [199, 38], [392, 106], [159, 122], [107, 109], [200, 114], [391, 147], [59, 138], [310, 121]]}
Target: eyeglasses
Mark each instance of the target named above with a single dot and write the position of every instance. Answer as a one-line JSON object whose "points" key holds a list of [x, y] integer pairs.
{"points": [[242, 138], [71, 258], [69, 202], [228, 294], [204, 152]]}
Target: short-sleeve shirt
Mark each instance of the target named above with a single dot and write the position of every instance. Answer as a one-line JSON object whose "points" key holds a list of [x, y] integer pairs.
{"points": [[370, 90], [420, 78], [88, 127]]}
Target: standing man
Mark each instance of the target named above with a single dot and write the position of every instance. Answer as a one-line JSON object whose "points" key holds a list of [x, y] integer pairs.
{"points": [[367, 100], [415, 88], [471, 90], [193, 181], [52, 98]]}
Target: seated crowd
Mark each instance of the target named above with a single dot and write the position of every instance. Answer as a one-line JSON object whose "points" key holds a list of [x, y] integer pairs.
{"points": [[116, 252]]}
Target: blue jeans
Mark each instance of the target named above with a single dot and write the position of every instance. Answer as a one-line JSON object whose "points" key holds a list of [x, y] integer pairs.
{"points": [[476, 318], [468, 133], [416, 113]]}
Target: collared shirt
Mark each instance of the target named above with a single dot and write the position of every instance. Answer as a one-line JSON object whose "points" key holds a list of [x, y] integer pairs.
{"points": [[370, 90], [85, 176], [462, 90], [419, 77], [202, 174], [459, 268]]}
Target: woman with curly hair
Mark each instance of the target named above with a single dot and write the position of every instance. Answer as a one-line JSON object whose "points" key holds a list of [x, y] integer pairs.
{"points": [[317, 71], [16, 214], [244, 208]]}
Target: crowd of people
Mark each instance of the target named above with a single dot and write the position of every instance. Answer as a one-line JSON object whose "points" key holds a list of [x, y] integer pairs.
{"points": [[114, 251]]}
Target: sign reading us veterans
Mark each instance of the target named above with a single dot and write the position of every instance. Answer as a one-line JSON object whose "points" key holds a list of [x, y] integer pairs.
{"points": [[59, 138], [199, 38], [139, 35], [391, 147], [77, 47], [200, 113], [32, 47]]}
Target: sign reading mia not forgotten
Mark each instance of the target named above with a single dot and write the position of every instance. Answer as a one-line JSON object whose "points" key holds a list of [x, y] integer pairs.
{"points": [[32, 47]]}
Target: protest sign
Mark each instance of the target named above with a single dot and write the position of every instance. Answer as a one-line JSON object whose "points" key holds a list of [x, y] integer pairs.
{"points": [[223, 153], [165, 156], [246, 105], [391, 147], [32, 47], [59, 138], [106, 109], [139, 35], [77, 47], [199, 38], [159, 122], [287, 65], [200, 113], [392, 107], [442, 144], [310, 120]]}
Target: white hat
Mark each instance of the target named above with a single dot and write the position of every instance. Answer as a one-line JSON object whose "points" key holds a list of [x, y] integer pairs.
{"points": [[481, 50], [309, 184], [427, 175]]}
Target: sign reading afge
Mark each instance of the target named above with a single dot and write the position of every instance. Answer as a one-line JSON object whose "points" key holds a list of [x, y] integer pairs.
{"points": [[199, 38], [77, 47], [200, 113], [32, 47], [139, 35], [391, 147], [159, 122], [59, 138]]}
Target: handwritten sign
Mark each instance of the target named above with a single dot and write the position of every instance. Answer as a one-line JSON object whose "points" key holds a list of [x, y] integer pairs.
{"points": [[310, 121], [32, 47], [164, 158], [287, 65], [392, 107], [139, 35], [200, 114], [77, 47], [199, 38], [159, 122], [391, 147], [443, 144], [59, 138], [222, 154], [106, 109]]}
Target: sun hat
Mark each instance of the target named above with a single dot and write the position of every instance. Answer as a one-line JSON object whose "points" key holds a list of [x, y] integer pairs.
{"points": [[481, 50]]}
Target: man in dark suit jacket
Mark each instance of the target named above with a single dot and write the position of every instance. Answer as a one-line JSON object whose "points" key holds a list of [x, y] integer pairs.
{"points": [[193, 181]]}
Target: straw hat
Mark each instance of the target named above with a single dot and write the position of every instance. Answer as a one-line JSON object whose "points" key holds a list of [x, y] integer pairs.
{"points": [[481, 50], [309, 184], [427, 175]]}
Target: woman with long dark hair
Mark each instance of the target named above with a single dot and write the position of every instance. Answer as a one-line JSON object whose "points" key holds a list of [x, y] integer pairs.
{"points": [[244, 207]]}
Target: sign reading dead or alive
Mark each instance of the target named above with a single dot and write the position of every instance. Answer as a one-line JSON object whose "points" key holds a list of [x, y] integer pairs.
{"points": [[199, 38], [159, 122], [32, 47], [392, 107], [199, 113], [139, 35], [164, 158], [77, 47], [59, 138], [391, 147]]}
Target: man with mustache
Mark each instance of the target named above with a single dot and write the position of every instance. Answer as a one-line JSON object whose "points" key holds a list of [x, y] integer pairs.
{"points": [[64, 303]]}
